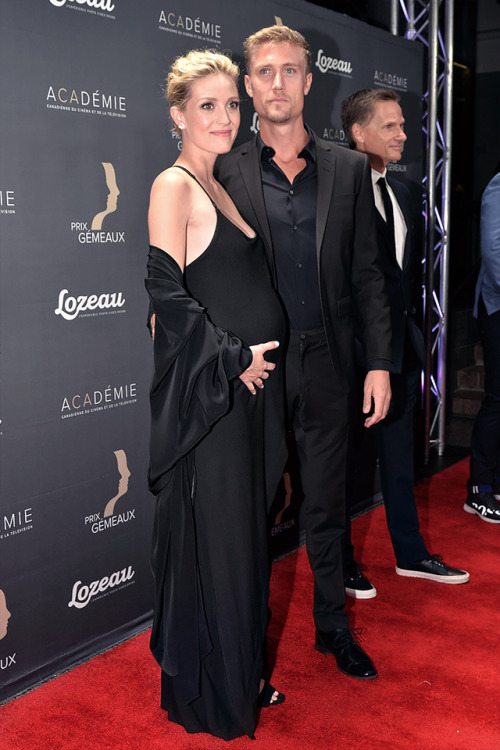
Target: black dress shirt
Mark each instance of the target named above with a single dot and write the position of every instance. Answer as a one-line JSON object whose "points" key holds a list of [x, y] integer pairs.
{"points": [[291, 212]]}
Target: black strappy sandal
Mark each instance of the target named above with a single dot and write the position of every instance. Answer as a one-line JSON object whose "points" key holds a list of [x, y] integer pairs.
{"points": [[269, 696]]}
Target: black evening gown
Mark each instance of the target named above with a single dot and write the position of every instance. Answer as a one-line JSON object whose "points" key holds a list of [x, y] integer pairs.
{"points": [[217, 454]]}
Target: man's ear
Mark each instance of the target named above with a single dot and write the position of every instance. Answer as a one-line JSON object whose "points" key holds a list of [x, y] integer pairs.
{"points": [[307, 84], [358, 133], [248, 85]]}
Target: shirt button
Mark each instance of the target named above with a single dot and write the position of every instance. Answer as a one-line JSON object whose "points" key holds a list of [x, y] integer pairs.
{"points": [[299, 265], [295, 229], [291, 192], [302, 303]]}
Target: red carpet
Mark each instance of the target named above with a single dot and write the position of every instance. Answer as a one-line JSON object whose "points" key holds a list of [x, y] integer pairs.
{"points": [[435, 646]]}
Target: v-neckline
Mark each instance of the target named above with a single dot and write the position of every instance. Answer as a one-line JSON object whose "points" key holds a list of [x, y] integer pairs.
{"points": [[214, 204]]}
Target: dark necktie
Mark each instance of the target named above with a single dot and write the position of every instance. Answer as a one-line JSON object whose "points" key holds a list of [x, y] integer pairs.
{"points": [[389, 213]]}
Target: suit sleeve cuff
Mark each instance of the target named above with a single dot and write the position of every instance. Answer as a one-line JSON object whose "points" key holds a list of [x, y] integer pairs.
{"points": [[380, 364]]}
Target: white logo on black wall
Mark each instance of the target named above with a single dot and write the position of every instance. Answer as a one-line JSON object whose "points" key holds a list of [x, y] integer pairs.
{"points": [[337, 135], [255, 126], [7, 202], [97, 103], [396, 167], [15, 523], [89, 305], [82, 594], [390, 80], [98, 400], [95, 7], [96, 235], [195, 28], [333, 65], [109, 518]]}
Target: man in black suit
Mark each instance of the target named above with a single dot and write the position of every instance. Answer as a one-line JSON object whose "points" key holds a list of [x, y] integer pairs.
{"points": [[312, 203], [374, 124]]}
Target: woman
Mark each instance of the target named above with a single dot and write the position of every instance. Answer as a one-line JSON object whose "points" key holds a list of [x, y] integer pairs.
{"points": [[217, 443]]}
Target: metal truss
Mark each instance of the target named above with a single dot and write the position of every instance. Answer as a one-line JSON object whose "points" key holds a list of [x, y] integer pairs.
{"points": [[432, 24]]}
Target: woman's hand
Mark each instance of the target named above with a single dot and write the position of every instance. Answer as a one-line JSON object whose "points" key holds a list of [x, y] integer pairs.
{"points": [[260, 368]]}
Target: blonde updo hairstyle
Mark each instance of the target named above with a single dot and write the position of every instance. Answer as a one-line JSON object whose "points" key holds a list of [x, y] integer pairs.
{"points": [[196, 64]]}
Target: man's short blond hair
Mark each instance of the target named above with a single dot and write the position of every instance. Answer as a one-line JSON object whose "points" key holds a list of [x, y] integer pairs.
{"points": [[276, 35]]}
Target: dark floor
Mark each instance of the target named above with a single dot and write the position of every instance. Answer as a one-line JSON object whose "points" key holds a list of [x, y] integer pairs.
{"points": [[436, 463], [457, 447]]}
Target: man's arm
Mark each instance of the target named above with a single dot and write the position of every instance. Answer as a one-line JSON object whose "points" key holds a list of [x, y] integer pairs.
{"points": [[490, 231], [368, 283], [371, 305]]}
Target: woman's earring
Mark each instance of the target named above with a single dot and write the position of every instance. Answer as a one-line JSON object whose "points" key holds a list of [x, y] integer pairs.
{"points": [[181, 126]]}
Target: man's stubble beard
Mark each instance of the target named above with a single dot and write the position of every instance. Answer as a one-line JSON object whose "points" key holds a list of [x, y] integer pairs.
{"points": [[276, 117]]}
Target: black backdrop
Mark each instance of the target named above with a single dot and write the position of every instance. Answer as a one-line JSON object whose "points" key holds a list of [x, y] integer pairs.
{"points": [[84, 131]]}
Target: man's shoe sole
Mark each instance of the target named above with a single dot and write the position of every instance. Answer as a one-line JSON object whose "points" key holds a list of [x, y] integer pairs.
{"points": [[432, 576], [475, 512], [361, 594]]}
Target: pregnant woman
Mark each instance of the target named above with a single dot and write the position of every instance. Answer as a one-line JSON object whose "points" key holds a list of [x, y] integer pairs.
{"points": [[217, 436]]}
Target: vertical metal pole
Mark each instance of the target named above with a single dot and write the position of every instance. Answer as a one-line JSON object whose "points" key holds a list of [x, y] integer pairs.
{"points": [[437, 125], [431, 211], [394, 25], [446, 182], [410, 29]]}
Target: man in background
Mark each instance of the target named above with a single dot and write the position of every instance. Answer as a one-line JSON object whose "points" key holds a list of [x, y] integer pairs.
{"points": [[483, 487], [374, 125]]}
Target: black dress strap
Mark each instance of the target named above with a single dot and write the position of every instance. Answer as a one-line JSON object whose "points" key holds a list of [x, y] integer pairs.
{"points": [[178, 166]]}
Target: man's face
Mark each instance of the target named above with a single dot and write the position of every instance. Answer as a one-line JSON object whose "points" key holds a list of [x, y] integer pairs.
{"points": [[383, 137], [277, 82]]}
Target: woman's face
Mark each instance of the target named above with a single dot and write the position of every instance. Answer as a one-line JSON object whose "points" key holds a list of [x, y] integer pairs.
{"points": [[211, 117], [4, 615]]}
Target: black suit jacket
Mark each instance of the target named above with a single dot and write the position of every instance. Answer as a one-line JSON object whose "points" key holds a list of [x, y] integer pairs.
{"points": [[401, 283], [351, 281]]}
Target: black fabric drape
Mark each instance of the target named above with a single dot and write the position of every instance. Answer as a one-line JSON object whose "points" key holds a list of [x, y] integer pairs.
{"points": [[194, 362]]}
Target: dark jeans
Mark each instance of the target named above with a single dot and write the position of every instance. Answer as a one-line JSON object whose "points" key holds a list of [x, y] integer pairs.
{"points": [[485, 440], [318, 418]]}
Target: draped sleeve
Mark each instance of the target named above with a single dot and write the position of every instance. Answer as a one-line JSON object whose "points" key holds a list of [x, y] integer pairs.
{"points": [[194, 362]]}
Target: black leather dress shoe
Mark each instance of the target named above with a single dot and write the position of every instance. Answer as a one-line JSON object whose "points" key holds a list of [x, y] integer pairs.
{"points": [[350, 657]]}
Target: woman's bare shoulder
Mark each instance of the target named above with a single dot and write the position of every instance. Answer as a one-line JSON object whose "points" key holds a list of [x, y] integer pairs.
{"points": [[172, 180]]}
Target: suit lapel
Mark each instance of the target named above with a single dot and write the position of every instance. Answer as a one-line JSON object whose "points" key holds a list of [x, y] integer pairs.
{"points": [[325, 162], [250, 173]]}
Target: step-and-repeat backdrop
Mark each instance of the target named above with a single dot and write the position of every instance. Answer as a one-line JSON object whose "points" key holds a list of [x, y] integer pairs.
{"points": [[84, 131]]}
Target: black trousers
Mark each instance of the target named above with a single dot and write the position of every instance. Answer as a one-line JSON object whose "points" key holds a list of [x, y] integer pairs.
{"points": [[395, 450], [318, 419], [485, 439]]}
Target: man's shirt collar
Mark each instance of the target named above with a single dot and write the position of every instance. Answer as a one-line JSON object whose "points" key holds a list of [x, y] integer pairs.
{"points": [[308, 152]]}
